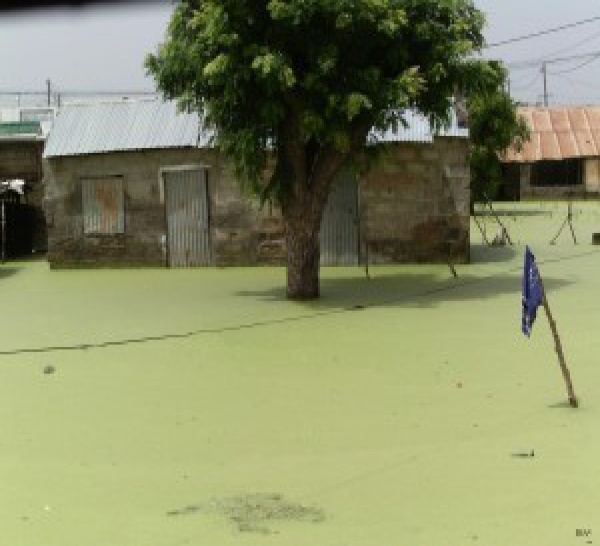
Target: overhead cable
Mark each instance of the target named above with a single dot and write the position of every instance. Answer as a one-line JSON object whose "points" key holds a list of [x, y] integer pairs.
{"points": [[543, 32], [578, 67], [516, 65]]}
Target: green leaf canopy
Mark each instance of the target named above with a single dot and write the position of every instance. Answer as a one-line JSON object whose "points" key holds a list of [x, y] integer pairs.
{"points": [[316, 75]]}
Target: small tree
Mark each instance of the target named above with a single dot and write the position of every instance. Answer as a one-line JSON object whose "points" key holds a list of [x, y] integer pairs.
{"points": [[305, 81], [494, 126]]}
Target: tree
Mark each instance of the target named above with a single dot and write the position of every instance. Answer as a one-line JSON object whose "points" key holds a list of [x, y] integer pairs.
{"points": [[494, 126], [304, 81]]}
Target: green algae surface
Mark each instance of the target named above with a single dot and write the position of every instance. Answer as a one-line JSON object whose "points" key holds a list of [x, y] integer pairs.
{"points": [[157, 407]]}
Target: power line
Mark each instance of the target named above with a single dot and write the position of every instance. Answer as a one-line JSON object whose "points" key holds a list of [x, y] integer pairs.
{"points": [[585, 60], [526, 86], [578, 67], [517, 65], [543, 32], [580, 83], [590, 38], [87, 92]]}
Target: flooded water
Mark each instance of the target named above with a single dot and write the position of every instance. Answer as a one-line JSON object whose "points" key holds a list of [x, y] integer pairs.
{"points": [[157, 407]]}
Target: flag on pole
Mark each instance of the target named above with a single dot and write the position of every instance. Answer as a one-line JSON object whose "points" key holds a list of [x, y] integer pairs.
{"points": [[532, 292]]}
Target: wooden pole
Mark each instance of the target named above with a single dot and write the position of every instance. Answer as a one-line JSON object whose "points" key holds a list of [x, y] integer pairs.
{"points": [[481, 230], [3, 221], [569, 221], [558, 347], [497, 218], [368, 275]]}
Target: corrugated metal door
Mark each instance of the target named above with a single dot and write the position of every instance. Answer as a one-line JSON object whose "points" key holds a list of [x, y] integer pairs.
{"points": [[339, 226], [103, 205], [186, 203]]}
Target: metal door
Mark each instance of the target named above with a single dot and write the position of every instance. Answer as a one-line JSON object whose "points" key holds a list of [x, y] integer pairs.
{"points": [[186, 204], [339, 227], [103, 205]]}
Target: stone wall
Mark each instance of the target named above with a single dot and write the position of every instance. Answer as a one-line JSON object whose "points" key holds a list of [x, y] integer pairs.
{"points": [[241, 232], [415, 204], [414, 208], [21, 159]]}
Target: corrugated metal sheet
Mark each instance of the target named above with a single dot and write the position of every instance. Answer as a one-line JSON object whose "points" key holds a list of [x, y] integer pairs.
{"points": [[123, 126], [186, 200], [417, 129], [559, 133], [103, 205], [82, 129], [338, 237]]}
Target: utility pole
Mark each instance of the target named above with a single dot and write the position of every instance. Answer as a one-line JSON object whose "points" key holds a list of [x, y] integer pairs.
{"points": [[49, 89], [545, 75], [3, 222]]}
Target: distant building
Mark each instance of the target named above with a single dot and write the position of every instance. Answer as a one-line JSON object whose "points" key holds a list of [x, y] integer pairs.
{"points": [[139, 183], [23, 132], [562, 157]]}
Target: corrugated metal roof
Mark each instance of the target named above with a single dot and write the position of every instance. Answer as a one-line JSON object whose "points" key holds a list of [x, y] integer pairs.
{"points": [[418, 129], [153, 124], [123, 126], [559, 133]]}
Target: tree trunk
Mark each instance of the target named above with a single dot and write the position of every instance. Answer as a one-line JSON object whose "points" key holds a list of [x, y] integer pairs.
{"points": [[303, 256], [309, 178]]}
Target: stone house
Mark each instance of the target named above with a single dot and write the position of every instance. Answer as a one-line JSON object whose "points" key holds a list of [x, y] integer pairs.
{"points": [[562, 157], [138, 183]]}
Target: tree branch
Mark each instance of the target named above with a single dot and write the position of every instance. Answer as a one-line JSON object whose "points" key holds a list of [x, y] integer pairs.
{"points": [[330, 161]]}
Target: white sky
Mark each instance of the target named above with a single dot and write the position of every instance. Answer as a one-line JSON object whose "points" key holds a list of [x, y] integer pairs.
{"points": [[81, 49], [511, 18], [103, 48]]}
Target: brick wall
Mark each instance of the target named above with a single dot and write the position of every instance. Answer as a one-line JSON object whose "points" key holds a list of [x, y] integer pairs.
{"points": [[415, 204], [241, 232], [21, 160], [414, 208]]}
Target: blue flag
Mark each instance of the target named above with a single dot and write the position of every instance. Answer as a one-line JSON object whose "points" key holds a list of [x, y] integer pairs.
{"points": [[532, 292]]}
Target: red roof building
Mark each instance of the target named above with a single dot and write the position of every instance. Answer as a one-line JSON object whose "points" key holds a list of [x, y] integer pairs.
{"points": [[562, 156]]}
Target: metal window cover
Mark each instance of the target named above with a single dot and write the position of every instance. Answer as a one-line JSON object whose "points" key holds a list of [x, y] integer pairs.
{"points": [[123, 126], [103, 205], [558, 133]]}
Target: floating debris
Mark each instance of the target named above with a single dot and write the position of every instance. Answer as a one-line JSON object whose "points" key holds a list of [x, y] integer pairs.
{"points": [[187, 510], [524, 454], [255, 513]]}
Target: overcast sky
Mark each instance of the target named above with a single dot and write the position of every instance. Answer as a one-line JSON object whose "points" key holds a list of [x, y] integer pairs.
{"points": [[103, 48]]}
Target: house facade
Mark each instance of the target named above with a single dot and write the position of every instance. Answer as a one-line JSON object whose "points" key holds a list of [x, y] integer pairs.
{"points": [[139, 184], [562, 157]]}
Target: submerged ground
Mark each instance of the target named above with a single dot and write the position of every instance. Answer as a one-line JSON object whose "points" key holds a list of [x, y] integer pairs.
{"points": [[158, 407]]}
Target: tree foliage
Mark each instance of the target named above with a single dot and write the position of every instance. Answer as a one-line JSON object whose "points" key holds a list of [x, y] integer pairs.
{"points": [[304, 81], [494, 126], [336, 66]]}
